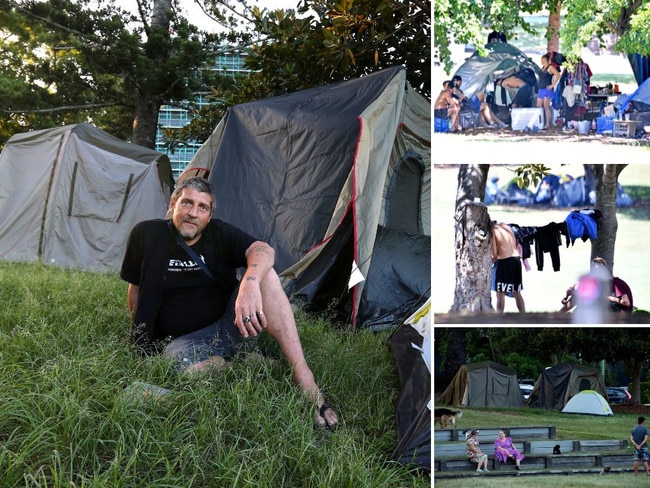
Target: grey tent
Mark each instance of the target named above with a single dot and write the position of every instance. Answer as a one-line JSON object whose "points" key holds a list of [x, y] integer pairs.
{"points": [[556, 385], [332, 177], [483, 384], [70, 195]]}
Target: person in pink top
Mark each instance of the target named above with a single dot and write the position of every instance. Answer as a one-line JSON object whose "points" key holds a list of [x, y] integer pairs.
{"points": [[504, 450]]}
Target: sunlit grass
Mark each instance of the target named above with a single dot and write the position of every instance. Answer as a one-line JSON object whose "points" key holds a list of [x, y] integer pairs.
{"points": [[67, 420]]}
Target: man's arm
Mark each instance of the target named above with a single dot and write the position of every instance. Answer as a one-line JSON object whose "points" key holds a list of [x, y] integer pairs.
{"points": [[260, 258]]}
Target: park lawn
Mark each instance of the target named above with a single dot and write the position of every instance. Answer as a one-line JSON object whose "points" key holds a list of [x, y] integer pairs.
{"points": [[543, 290], [568, 426]]}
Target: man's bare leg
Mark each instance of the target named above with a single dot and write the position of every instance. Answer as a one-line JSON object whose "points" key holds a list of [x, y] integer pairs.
{"points": [[281, 325], [501, 301]]}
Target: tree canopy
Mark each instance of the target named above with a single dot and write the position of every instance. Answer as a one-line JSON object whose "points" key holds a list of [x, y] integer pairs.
{"points": [[464, 21], [67, 61]]}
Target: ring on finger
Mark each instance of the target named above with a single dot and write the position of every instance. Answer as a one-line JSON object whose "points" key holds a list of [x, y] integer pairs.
{"points": [[260, 313], [246, 319]]}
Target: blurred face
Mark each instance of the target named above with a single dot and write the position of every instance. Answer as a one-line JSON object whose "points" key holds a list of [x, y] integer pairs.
{"points": [[502, 434], [191, 212], [458, 82]]}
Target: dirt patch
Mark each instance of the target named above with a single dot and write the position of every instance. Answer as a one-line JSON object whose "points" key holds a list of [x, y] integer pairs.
{"points": [[551, 134], [632, 409]]}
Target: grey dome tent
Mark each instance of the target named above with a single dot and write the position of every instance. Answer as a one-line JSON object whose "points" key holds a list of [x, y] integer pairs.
{"points": [[483, 384], [70, 195], [502, 60], [333, 177], [556, 385]]}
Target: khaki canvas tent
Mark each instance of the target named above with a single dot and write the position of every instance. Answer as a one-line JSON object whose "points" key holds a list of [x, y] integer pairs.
{"points": [[70, 195], [556, 385], [483, 384], [333, 177], [588, 402]]}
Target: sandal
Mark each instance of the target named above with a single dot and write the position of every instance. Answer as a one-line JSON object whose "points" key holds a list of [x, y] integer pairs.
{"points": [[322, 420]]}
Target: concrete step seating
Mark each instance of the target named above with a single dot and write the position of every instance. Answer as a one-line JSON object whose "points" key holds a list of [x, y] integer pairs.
{"points": [[450, 459]]}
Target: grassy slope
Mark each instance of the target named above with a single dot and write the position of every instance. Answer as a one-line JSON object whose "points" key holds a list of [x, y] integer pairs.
{"points": [[544, 289], [66, 420]]}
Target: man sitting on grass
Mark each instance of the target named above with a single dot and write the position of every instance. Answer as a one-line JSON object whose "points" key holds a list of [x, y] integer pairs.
{"points": [[184, 294]]}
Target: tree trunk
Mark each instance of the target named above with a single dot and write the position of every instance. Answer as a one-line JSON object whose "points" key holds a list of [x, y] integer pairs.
{"points": [[635, 370], [473, 241], [145, 123], [455, 356], [606, 182], [553, 34]]}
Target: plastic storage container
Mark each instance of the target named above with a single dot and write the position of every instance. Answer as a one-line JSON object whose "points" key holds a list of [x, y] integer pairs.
{"points": [[441, 125], [605, 124], [530, 118]]}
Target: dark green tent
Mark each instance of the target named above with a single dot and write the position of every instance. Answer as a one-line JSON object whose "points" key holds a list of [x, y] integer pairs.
{"points": [[483, 384]]}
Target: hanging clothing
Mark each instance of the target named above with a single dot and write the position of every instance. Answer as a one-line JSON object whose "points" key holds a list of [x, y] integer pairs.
{"points": [[581, 225], [548, 239]]}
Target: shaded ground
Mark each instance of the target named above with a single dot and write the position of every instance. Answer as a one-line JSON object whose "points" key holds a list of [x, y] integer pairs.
{"points": [[531, 318], [632, 409]]}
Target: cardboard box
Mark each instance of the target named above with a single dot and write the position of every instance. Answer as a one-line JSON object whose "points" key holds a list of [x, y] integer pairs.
{"points": [[522, 118]]}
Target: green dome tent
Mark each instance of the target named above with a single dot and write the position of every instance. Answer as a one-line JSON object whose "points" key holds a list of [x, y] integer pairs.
{"points": [[483, 384]]}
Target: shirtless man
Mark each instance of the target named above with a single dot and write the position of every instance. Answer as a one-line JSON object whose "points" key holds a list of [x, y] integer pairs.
{"points": [[447, 107], [508, 274]]}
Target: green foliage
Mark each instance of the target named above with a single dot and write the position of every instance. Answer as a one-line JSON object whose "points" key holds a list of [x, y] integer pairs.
{"points": [[531, 173], [467, 21], [323, 42], [645, 392], [67, 419]]}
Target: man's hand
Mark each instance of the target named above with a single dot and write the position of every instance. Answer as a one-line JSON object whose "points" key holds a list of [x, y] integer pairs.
{"points": [[249, 314]]}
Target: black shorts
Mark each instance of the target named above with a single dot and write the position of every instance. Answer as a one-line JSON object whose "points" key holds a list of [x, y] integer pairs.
{"points": [[441, 113], [508, 279]]}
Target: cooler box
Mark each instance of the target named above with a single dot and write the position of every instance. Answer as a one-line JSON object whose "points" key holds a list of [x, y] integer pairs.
{"points": [[527, 117]]}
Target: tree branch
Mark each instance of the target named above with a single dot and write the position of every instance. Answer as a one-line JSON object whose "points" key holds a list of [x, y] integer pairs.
{"points": [[59, 109]]}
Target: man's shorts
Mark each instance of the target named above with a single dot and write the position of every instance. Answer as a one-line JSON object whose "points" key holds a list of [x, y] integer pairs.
{"points": [[441, 113], [508, 275], [641, 455], [221, 338]]}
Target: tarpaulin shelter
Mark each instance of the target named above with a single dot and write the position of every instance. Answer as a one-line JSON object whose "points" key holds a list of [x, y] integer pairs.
{"points": [[483, 384], [556, 385], [411, 347], [70, 195], [334, 178], [588, 402]]}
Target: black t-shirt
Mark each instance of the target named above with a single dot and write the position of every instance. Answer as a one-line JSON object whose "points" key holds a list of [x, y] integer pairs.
{"points": [[190, 299]]}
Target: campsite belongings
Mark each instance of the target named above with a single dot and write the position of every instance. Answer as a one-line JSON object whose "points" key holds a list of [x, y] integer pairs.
{"points": [[411, 347], [557, 385], [588, 402], [71, 194], [482, 73], [555, 190], [335, 178], [483, 384]]}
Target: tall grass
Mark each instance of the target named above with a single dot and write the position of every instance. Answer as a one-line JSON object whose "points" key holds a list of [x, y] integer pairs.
{"points": [[66, 418]]}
